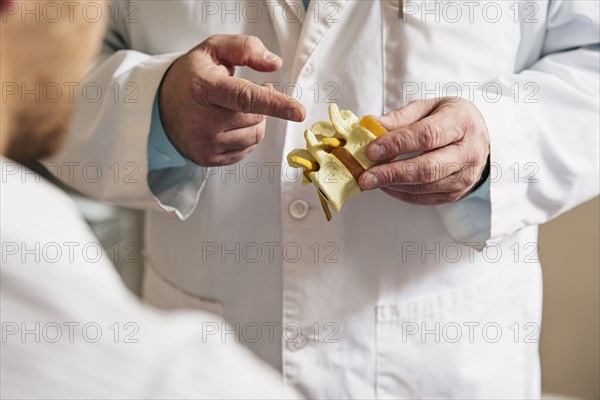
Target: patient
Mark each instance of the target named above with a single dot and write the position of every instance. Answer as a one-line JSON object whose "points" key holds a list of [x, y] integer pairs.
{"points": [[70, 329]]}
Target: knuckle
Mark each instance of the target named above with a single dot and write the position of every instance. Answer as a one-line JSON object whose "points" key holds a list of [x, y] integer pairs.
{"points": [[246, 43], [244, 121], [245, 98], [218, 149], [399, 114], [454, 182], [424, 106], [212, 160], [211, 41], [410, 172], [396, 143], [259, 133], [472, 157], [251, 43], [450, 168], [469, 114], [387, 175], [256, 119], [466, 180], [274, 107], [430, 135], [382, 174], [196, 89], [215, 143], [429, 172], [466, 122], [202, 90], [213, 138]]}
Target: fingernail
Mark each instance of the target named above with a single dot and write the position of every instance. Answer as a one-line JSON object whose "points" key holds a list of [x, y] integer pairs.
{"points": [[370, 180], [377, 152], [384, 120], [271, 56], [294, 114]]}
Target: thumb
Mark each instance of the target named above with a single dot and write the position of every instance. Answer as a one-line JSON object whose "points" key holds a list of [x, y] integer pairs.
{"points": [[242, 50]]}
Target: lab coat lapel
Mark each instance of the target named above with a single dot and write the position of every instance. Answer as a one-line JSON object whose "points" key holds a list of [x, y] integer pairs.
{"points": [[286, 16], [320, 16]]}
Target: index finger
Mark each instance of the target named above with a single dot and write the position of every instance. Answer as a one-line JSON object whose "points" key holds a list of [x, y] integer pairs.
{"points": [[242, 50], [423, 169], [435, 131], [242, 95], [408, 114]]}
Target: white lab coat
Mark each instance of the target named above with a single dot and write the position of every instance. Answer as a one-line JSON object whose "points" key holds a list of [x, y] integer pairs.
{"points": [[71, 329], [370, 301]]}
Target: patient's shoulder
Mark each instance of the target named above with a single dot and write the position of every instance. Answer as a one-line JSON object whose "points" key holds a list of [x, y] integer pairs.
{"points": [[36, 211]]}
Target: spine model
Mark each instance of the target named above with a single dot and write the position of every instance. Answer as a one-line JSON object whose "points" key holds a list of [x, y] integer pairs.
{"points": [[335, 156]]}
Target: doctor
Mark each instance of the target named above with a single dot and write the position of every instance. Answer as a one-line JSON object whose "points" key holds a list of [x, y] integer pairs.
{"points": [[434, 291]]}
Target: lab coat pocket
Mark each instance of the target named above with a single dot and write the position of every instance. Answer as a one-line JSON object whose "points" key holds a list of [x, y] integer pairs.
{"points": [[470, 343], [162, 294]]}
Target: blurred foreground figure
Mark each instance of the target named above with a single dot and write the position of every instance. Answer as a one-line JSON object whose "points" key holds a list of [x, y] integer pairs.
{"points": [[70, 329]]}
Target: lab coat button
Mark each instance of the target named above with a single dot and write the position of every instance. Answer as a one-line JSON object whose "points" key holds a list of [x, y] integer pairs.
{"points": [[298, 209], [297, 344], [308, 69]]}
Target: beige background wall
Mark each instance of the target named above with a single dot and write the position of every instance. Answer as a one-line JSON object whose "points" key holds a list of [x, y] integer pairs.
{"points": [[570, 335]]}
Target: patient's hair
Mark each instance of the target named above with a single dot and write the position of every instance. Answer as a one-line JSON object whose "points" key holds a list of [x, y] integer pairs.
{"points": [[36, 52]]}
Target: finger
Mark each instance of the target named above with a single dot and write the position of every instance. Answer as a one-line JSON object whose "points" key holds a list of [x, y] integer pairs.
{"points": [[247, 97], [434, 199], [229, 157], [408, 114], [461, 180], [222, 119], [235, 120], [239, 139], [435, 131], [426, 168], [242, 50]]}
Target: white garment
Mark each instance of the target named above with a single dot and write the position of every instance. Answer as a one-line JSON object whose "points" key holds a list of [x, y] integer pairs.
{"points": [[380, 267], [70, 328]]}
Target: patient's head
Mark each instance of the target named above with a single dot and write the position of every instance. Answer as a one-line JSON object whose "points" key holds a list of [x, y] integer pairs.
{"points": [[45, 48]]}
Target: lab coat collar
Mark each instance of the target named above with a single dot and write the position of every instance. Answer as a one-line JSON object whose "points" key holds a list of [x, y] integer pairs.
{"points": [[300, 30], [287, 23], [318, 20]]}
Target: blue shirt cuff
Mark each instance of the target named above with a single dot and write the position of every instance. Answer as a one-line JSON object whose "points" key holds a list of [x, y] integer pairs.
{"points": [[161, 152], [482, 192], [175, 181], [469, 220]]}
